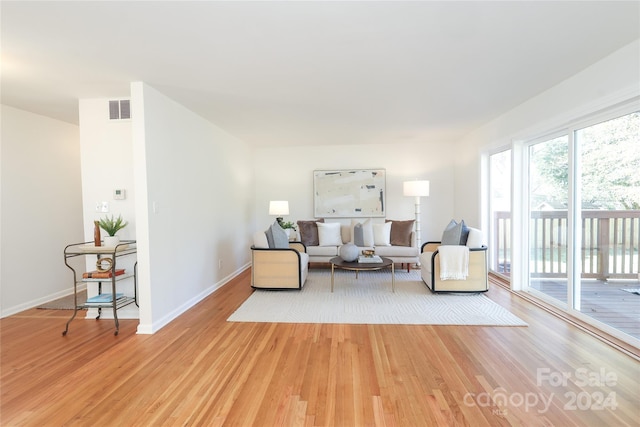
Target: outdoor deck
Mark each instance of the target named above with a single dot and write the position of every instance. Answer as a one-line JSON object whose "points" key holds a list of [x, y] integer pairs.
{"points": [[609, 261], [604, 301]]}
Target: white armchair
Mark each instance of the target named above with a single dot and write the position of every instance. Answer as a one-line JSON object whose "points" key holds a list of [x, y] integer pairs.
{"points": [[278, 268], [477, 279]]}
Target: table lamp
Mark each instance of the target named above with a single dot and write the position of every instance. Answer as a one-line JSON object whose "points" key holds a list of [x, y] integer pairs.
{"points": [[279, 208]]}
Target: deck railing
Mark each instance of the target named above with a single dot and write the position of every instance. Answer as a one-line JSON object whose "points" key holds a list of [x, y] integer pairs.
{"points": [[610, 244]]}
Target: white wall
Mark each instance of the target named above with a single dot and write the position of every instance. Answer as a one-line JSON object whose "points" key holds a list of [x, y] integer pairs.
{"points": [[106, 149], [41, 208], [603, 84], [200, 181], [287, 174]]}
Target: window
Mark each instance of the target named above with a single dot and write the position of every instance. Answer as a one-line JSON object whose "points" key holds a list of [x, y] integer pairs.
{"points": [[500, 212], [581, 225]]}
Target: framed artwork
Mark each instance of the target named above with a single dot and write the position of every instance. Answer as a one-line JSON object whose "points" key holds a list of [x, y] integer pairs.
{"points": [[349, 193]]}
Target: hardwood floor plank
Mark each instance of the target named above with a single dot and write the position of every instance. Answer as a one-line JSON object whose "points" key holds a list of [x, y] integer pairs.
{"points": [[202, 370]]}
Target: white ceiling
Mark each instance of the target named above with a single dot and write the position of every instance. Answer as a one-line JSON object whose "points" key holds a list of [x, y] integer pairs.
{"points": [[287, 73]]}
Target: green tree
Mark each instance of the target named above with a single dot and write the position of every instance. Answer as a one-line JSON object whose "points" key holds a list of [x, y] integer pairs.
{"points": [[550, 179], [610, 164]]}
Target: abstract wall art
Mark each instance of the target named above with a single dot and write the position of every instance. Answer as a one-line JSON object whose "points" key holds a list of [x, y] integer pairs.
{"points": [[349, 193]]}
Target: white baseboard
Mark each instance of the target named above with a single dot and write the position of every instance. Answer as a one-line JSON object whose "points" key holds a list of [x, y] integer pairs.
{"points": [[39, 301], [160, 323]]}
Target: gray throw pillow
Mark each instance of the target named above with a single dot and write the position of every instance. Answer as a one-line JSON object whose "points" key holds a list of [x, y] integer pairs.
{"points": [[280, 238], [455, 234], [358, 235], [269, 235]]}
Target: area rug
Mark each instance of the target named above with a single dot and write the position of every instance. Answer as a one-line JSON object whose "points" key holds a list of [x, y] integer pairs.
{"points": [[369, 300], [64, 303]]}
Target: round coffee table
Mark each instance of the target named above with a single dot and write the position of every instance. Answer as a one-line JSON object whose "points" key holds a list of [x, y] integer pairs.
{"points": [[337, 262]]}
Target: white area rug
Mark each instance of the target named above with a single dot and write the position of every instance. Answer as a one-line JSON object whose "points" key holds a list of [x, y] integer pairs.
{"points": [[369, 300]]}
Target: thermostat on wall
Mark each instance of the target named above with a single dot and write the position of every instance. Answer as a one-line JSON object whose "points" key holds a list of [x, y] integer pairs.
{"points": [[119, 194]]}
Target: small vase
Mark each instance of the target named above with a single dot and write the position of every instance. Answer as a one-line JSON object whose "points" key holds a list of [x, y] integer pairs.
{"points": [[111, 241], [96, 233], [291, 234]]}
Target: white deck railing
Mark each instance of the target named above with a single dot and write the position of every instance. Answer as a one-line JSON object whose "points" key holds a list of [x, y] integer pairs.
{"points": [[610, 244]]}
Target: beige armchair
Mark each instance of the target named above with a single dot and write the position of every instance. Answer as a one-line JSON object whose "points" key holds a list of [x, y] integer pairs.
{"points": [[285, 268], [476, 281]]}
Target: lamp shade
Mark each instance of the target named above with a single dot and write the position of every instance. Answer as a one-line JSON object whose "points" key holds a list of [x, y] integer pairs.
{"points": [[279, 207], [416, 188]]}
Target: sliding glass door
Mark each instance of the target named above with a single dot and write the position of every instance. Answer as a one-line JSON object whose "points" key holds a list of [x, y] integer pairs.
{"points": [[608, 158], [500, 213], [548, 220], [581, 233]]}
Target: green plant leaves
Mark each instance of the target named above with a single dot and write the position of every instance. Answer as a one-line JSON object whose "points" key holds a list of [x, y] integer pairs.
{"points": [[111, 225]]}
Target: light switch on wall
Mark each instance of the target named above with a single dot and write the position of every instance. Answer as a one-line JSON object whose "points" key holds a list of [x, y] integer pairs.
{"points": [[102, 206]]}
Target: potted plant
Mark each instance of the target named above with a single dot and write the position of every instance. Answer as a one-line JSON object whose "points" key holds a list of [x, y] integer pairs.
{"points": [[289, 228], [112, 225]]}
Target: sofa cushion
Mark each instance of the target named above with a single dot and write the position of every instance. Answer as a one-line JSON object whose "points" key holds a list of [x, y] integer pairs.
{"points": [[345, 233], [455, 233], [304, 265], [260, 239], [425, 260], [309, 232], [361, 233], [397, 251], [475, 239], [323, 251], [382, 234], [401, 232], [329, 234]]}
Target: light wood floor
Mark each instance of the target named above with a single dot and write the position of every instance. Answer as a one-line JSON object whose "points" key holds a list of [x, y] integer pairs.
{"points": [[201, 370]]}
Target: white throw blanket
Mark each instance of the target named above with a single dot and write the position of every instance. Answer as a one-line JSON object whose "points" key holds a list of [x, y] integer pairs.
{"points": [[454, 262]]}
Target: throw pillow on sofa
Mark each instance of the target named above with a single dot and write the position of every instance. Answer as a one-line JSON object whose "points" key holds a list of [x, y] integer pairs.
{"points": [[475, 238], [382, 234], [260, 239], [309, 232], [401, 232], [455, 233], [277, 237], [361, 233], [329, 234]]}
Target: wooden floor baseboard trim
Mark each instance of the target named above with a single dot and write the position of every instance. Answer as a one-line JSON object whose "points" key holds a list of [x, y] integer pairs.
{"points": [[617, 343]]}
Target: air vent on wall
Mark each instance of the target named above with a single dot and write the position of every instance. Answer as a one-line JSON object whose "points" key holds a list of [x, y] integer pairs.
{"points": [[119, 110]]}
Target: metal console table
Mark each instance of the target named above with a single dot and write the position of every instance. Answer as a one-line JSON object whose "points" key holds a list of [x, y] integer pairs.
{"points": [[124, 248]]}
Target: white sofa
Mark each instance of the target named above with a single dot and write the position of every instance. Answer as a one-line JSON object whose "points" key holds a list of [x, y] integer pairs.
{"points": [[398, 254]]}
